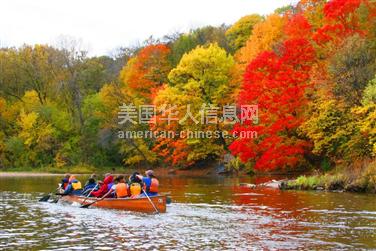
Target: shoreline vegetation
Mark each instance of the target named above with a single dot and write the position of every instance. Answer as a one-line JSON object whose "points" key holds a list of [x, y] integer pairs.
{"points": [[343, 179], [86, 169]]}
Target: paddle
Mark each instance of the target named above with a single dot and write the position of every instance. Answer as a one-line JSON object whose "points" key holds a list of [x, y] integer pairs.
{"points": [[56, 200], [147, 196], [90, 193], [46, 197], [91, 203]]}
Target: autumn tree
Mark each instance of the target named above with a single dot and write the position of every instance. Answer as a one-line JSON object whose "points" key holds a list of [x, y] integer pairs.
{"points": [[12, 84], [186, 42], [352, 67], [344, 66], [130, 151], [277, 84], [147, 71], [240, 31], [365, 116], [35, 68], [201, 77], [265, 35], [329, 128], [36, 133]]}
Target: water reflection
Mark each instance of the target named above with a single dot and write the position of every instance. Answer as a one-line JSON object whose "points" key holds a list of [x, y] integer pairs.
{"points": [[207, 213]]}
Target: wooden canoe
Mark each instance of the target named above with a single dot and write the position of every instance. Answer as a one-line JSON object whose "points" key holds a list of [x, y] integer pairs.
{"points": [[136, 204]]}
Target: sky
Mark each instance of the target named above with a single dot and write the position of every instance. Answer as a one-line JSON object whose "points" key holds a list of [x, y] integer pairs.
{"points": [[103, 25]]}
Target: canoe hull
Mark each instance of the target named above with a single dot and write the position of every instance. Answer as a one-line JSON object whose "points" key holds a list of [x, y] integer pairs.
{"points": [[137, 204]]}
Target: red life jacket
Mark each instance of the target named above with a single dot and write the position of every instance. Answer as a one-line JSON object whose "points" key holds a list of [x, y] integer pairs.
{"points": [[65, 185]]}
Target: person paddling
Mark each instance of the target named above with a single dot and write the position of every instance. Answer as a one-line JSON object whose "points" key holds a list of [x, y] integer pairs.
{"points": [[74, 186], [90, 185], [151, 183], [104, 188], [64, 182], [120, 188]]}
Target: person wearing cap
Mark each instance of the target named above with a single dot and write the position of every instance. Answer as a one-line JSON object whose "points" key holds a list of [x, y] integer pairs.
{"points": [[74, 186], [65, 181], [151, 183]]}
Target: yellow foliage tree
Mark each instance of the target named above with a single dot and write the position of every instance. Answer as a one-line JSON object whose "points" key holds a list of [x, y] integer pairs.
{"points": [[366, 122], [201, 78], [264, 36]]}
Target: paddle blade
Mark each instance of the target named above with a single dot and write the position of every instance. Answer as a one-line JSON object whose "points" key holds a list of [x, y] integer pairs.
{"points": [[56, 200], [87, 205], [45, 198]]}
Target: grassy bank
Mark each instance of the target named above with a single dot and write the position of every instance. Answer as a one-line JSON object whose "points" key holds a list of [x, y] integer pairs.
{"points": [[352, 178]]}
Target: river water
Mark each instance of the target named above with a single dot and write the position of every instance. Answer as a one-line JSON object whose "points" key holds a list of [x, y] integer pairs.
{"points": [[207, 213]]}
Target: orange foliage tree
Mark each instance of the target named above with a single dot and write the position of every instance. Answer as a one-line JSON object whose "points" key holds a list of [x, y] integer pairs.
{"points": [[145, 73]]}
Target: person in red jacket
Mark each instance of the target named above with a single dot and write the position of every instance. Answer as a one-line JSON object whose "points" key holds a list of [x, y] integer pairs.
{"points": [[104, 188]]}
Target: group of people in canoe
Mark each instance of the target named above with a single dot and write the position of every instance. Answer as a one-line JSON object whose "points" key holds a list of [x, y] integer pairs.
{"points": [[112, 186]]}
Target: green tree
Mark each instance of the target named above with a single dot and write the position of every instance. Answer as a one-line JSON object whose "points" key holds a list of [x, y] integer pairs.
{"points": [[369, 95], [240, 31], [201, 36], [353, 66]]}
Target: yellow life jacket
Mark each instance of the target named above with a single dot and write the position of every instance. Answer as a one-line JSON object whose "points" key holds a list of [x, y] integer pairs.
{"points": [[135, 189], [76, 185]]}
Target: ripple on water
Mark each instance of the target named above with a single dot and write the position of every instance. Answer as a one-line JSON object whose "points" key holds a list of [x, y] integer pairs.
{"points": [[188, 226]]}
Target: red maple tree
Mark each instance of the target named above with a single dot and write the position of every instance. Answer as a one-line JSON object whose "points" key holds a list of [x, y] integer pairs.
{"points": [[277, 83]]}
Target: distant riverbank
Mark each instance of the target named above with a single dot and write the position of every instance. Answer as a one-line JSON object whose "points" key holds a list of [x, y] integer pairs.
{"points": [[160, 171], [26, 174]]}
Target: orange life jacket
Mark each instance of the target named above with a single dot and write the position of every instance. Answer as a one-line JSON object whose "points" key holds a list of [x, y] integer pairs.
{"points": [[154, 184], [121, 190]]}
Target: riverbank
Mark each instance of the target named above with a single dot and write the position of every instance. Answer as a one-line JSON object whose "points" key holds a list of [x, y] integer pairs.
{"points": [[27, 174], [77, 170], [350, 179]]}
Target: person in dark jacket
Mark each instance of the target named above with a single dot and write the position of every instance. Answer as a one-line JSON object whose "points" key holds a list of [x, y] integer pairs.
{"points": [[92, 177], [91, 185]]}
